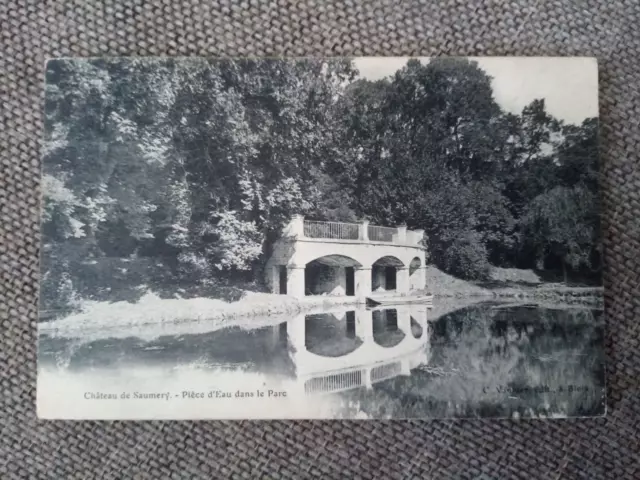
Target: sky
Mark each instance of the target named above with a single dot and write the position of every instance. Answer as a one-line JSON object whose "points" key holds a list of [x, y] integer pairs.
{"points": [[569, 85]]}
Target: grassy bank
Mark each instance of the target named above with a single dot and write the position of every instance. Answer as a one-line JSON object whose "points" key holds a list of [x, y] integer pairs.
{"points": [[121, 318], [253, 309], [510, 284]]}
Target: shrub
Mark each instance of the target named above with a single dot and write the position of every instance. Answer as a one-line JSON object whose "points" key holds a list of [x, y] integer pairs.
{"points": [[465, 257]]}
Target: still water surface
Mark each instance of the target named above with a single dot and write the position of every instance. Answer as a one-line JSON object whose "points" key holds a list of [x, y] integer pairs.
{"points": [[483, 360]]}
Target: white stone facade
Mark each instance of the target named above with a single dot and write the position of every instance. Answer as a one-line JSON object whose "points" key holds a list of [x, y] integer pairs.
{"points": [[396, 255]]}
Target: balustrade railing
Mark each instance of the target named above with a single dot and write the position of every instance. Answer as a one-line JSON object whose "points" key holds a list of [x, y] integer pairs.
{"points": [[357, 231], [382, 234], [385, 371], [332, 383], [344, 381], [339, 230]]}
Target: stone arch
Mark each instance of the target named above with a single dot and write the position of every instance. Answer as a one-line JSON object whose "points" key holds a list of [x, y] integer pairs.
{"points": [[331, 334], [386, 331], [331, 275], [389, 261], [416, 328], [384, 273], [415, 264], [336, 261]]}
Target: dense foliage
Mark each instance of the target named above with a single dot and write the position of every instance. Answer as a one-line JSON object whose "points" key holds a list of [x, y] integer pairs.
{"points": [[163, 170]]}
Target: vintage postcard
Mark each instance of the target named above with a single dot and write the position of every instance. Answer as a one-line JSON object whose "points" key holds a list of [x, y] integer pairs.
{"points": [[345, 238]]}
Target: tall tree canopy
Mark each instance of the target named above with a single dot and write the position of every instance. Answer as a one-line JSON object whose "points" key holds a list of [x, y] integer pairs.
{"points": [[157, 169]]}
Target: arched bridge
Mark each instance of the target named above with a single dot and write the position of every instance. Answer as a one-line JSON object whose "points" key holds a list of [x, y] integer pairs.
{"points": [[353, 259]]}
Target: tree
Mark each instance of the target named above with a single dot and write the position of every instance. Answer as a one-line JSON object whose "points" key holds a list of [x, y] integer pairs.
{"points": [[194, 163], [530, 151], [422, 143], [256, 149], [560, 222]]}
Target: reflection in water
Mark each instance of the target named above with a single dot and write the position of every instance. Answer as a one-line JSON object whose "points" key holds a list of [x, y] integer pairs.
{"points": [[385, 327], [484, 360], [489, 360], [230, 348], [331, 334], [381, 343], [416, 328]]}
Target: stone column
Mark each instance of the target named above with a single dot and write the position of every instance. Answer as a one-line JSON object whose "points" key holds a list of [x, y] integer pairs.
{"points": [[364, 325], [423, 268], [422, 277], [296, 333], [418, 236], [364, 231], [404, 320], [275, 279], [418, 279], [295, 281], [366, 378], [402, 280], [362, 279], [296, 226], [402, 234], [274, 337]]}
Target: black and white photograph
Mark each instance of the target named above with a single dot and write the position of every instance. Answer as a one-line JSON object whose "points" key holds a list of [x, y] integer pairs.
{"points": [[322, 238]]}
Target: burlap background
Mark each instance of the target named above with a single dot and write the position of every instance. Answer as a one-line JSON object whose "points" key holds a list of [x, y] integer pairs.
{"points": [[31, 30]]}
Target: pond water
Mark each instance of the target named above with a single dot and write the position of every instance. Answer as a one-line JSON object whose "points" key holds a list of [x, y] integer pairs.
{"points": [[482, 360]]}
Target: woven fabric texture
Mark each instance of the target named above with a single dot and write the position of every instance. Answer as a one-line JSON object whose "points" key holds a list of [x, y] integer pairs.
{"points": [[33, 30]]}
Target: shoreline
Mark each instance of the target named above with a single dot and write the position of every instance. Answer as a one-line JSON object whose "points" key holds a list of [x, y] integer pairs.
{"points": [[160, 317], [566, 294]]}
